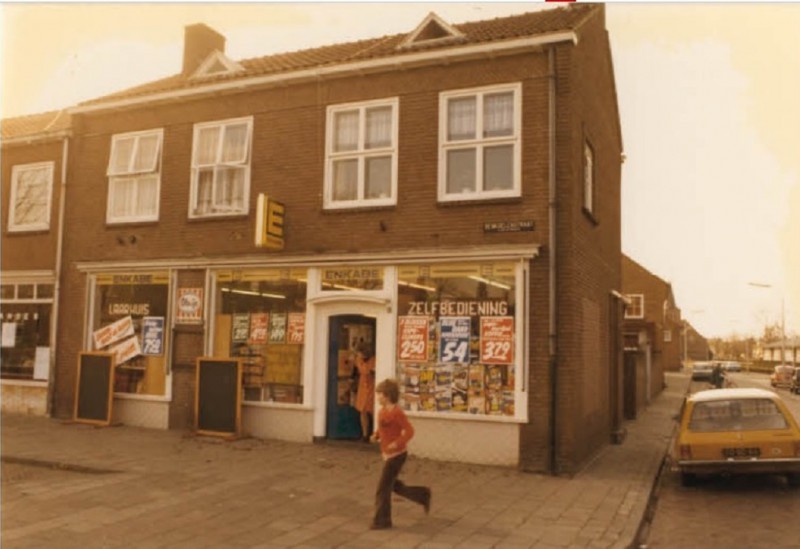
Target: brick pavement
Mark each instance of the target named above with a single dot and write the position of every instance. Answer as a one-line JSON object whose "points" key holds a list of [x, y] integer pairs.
{"points": [[71, 485]]}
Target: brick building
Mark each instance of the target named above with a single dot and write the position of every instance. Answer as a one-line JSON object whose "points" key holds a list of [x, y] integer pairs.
{"points": [[653, 330], [34, 152], [449, 197]]}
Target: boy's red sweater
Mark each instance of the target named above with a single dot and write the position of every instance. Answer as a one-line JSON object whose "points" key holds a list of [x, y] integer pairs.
{"points": [[393, 426]]}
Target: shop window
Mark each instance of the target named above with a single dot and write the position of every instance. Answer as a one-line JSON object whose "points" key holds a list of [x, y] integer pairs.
{"points": [[221, 168], [25, 341], [479, 152], [45, 291], [7, 291], [134, 177], [456, 338], [361, 155], [31, 194], [129, 319], [25, 291], [260, 318]]}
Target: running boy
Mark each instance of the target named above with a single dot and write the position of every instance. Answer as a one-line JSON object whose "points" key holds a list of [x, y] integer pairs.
{"points": [[393, 432]]}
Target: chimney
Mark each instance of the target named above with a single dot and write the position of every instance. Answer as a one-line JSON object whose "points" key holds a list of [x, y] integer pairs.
{"points": [[199, 41]]}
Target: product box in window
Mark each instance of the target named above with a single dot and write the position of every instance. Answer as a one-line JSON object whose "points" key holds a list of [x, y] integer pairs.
{"points": [[476, 402], [427, 379], [508, 403], [286, 393], [427, 402], [494, 402]]}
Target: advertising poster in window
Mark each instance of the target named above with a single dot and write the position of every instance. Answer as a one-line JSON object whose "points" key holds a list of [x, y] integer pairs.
{"points": [[296, 330], [126, 350], [259, 324], [111, 333], [497, 340], [153, 335], [413, 339], [454, 339], [240, 327], [277, 328], [190, 306]]}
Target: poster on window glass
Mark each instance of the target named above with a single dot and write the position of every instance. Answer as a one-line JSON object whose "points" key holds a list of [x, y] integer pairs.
{"points": [[240, 328], [259, 324], [497, 339], [454, 332], [153, 335], [277, 328], [113, 332], [296, 330], [189, 308], [413, 339]]}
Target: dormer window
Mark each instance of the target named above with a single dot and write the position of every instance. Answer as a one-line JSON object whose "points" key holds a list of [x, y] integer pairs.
{"points": [[216, 64], [432, 30]]}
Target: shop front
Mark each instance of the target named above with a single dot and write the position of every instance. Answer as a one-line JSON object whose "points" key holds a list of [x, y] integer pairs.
{"points": [[453, 333]]}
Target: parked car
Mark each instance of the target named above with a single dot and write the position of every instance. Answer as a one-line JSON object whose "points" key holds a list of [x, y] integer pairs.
{"points": [[732, 366], [795, 386], [736, 431], [782, 376], [701, 371]]}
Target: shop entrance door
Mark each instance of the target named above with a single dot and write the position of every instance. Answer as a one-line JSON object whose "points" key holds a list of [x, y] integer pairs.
{"points": [[345, 334]]}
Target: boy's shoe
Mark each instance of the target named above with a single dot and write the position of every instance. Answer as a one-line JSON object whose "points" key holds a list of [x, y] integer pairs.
{"points": [[379, 526], [427, 503]]}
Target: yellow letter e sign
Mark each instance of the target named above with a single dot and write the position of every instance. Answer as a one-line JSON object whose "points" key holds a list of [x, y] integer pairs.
{"points": [[269, 223]]}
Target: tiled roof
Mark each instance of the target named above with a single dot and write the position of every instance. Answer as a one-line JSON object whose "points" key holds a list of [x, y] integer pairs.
{"points": [[34, 125], [477, 32]]}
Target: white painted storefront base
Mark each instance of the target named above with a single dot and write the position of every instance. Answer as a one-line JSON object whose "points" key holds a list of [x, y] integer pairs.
{"points": [[24, 397]]}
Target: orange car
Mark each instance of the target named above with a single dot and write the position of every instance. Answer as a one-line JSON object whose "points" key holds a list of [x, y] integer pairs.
{"points": [[736, 431]]}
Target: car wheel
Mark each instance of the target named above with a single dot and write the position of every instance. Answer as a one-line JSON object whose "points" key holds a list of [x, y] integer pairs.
{"points": [[688, 479], [793, 479]]}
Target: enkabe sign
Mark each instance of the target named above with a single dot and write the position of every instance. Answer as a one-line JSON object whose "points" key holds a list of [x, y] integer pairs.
{"points": [[269, 223]]}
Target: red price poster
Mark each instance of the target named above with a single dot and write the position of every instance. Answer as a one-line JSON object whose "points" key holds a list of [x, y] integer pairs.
{"points": [[259, 323], [497, 339], [413, 339], [297, 328]]}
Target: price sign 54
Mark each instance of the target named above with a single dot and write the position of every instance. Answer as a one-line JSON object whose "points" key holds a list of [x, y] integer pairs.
{"points": [[454, 339]]}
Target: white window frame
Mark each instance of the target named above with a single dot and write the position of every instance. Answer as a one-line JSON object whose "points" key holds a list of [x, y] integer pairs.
{"points": [[245, 164], [361, 154], [479, 143], [588, 177], [131, 174], [629, 310], [16, 174]]}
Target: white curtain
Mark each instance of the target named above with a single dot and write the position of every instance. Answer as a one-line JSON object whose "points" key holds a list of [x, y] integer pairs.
{"points": [[121, 152], [207, 145], [146, 154], [234, 148], [498, 114], [461, 118], [345, 130], [378, 128], [147, 196]]}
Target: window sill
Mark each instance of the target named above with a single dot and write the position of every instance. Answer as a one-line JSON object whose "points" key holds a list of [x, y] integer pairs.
{"points": [[217, 217], [479, 201]]}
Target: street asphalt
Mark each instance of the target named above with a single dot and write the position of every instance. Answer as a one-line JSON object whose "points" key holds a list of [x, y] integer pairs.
{"points": [[68, 485]]}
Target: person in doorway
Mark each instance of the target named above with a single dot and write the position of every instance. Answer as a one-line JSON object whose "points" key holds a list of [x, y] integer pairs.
{"points": [[365, 395], [393, 432]]}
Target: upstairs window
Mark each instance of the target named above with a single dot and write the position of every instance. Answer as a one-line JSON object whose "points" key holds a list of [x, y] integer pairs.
{"points": [[31, 193], [361, 155], [480, 150], [221, 168], [636, 307], [134, 177], [588, 177]]}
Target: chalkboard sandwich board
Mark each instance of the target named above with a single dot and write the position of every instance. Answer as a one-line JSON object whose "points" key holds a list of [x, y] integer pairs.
{"points": [[218, 397], [94, 388]]}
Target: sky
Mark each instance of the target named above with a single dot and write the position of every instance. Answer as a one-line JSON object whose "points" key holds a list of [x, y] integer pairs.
{"points": [[708, 98]]}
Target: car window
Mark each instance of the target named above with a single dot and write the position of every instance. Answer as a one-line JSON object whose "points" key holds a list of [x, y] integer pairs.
{"points": [[736, 415]]}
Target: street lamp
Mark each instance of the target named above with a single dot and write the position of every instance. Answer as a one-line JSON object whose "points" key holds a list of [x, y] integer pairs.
{"points": [[783, 319]]}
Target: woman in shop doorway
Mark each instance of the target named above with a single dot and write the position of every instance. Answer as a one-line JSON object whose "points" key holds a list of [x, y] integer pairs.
{"points": [[365, 395]]}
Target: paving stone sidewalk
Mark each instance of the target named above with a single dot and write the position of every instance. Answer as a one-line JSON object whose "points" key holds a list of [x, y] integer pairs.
{"points": [[71, 485]]}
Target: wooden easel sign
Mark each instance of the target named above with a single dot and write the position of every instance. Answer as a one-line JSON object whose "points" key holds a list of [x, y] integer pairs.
{"points": [[218, 397], [94, 388]]}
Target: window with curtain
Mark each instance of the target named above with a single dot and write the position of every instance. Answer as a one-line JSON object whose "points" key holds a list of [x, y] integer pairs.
{"points": [[361, 154], [31, 192], [134, 177], [480, 143], [221, 168]]}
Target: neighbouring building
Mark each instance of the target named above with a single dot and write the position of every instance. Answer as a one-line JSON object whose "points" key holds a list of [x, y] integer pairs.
{"points": [[34, 162], [652, 332], [695, 344], [782, 352], [449, 196]]}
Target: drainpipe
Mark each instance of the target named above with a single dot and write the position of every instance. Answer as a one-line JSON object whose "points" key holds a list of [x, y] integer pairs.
{"points": [[553, 317], [51, 378]]}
